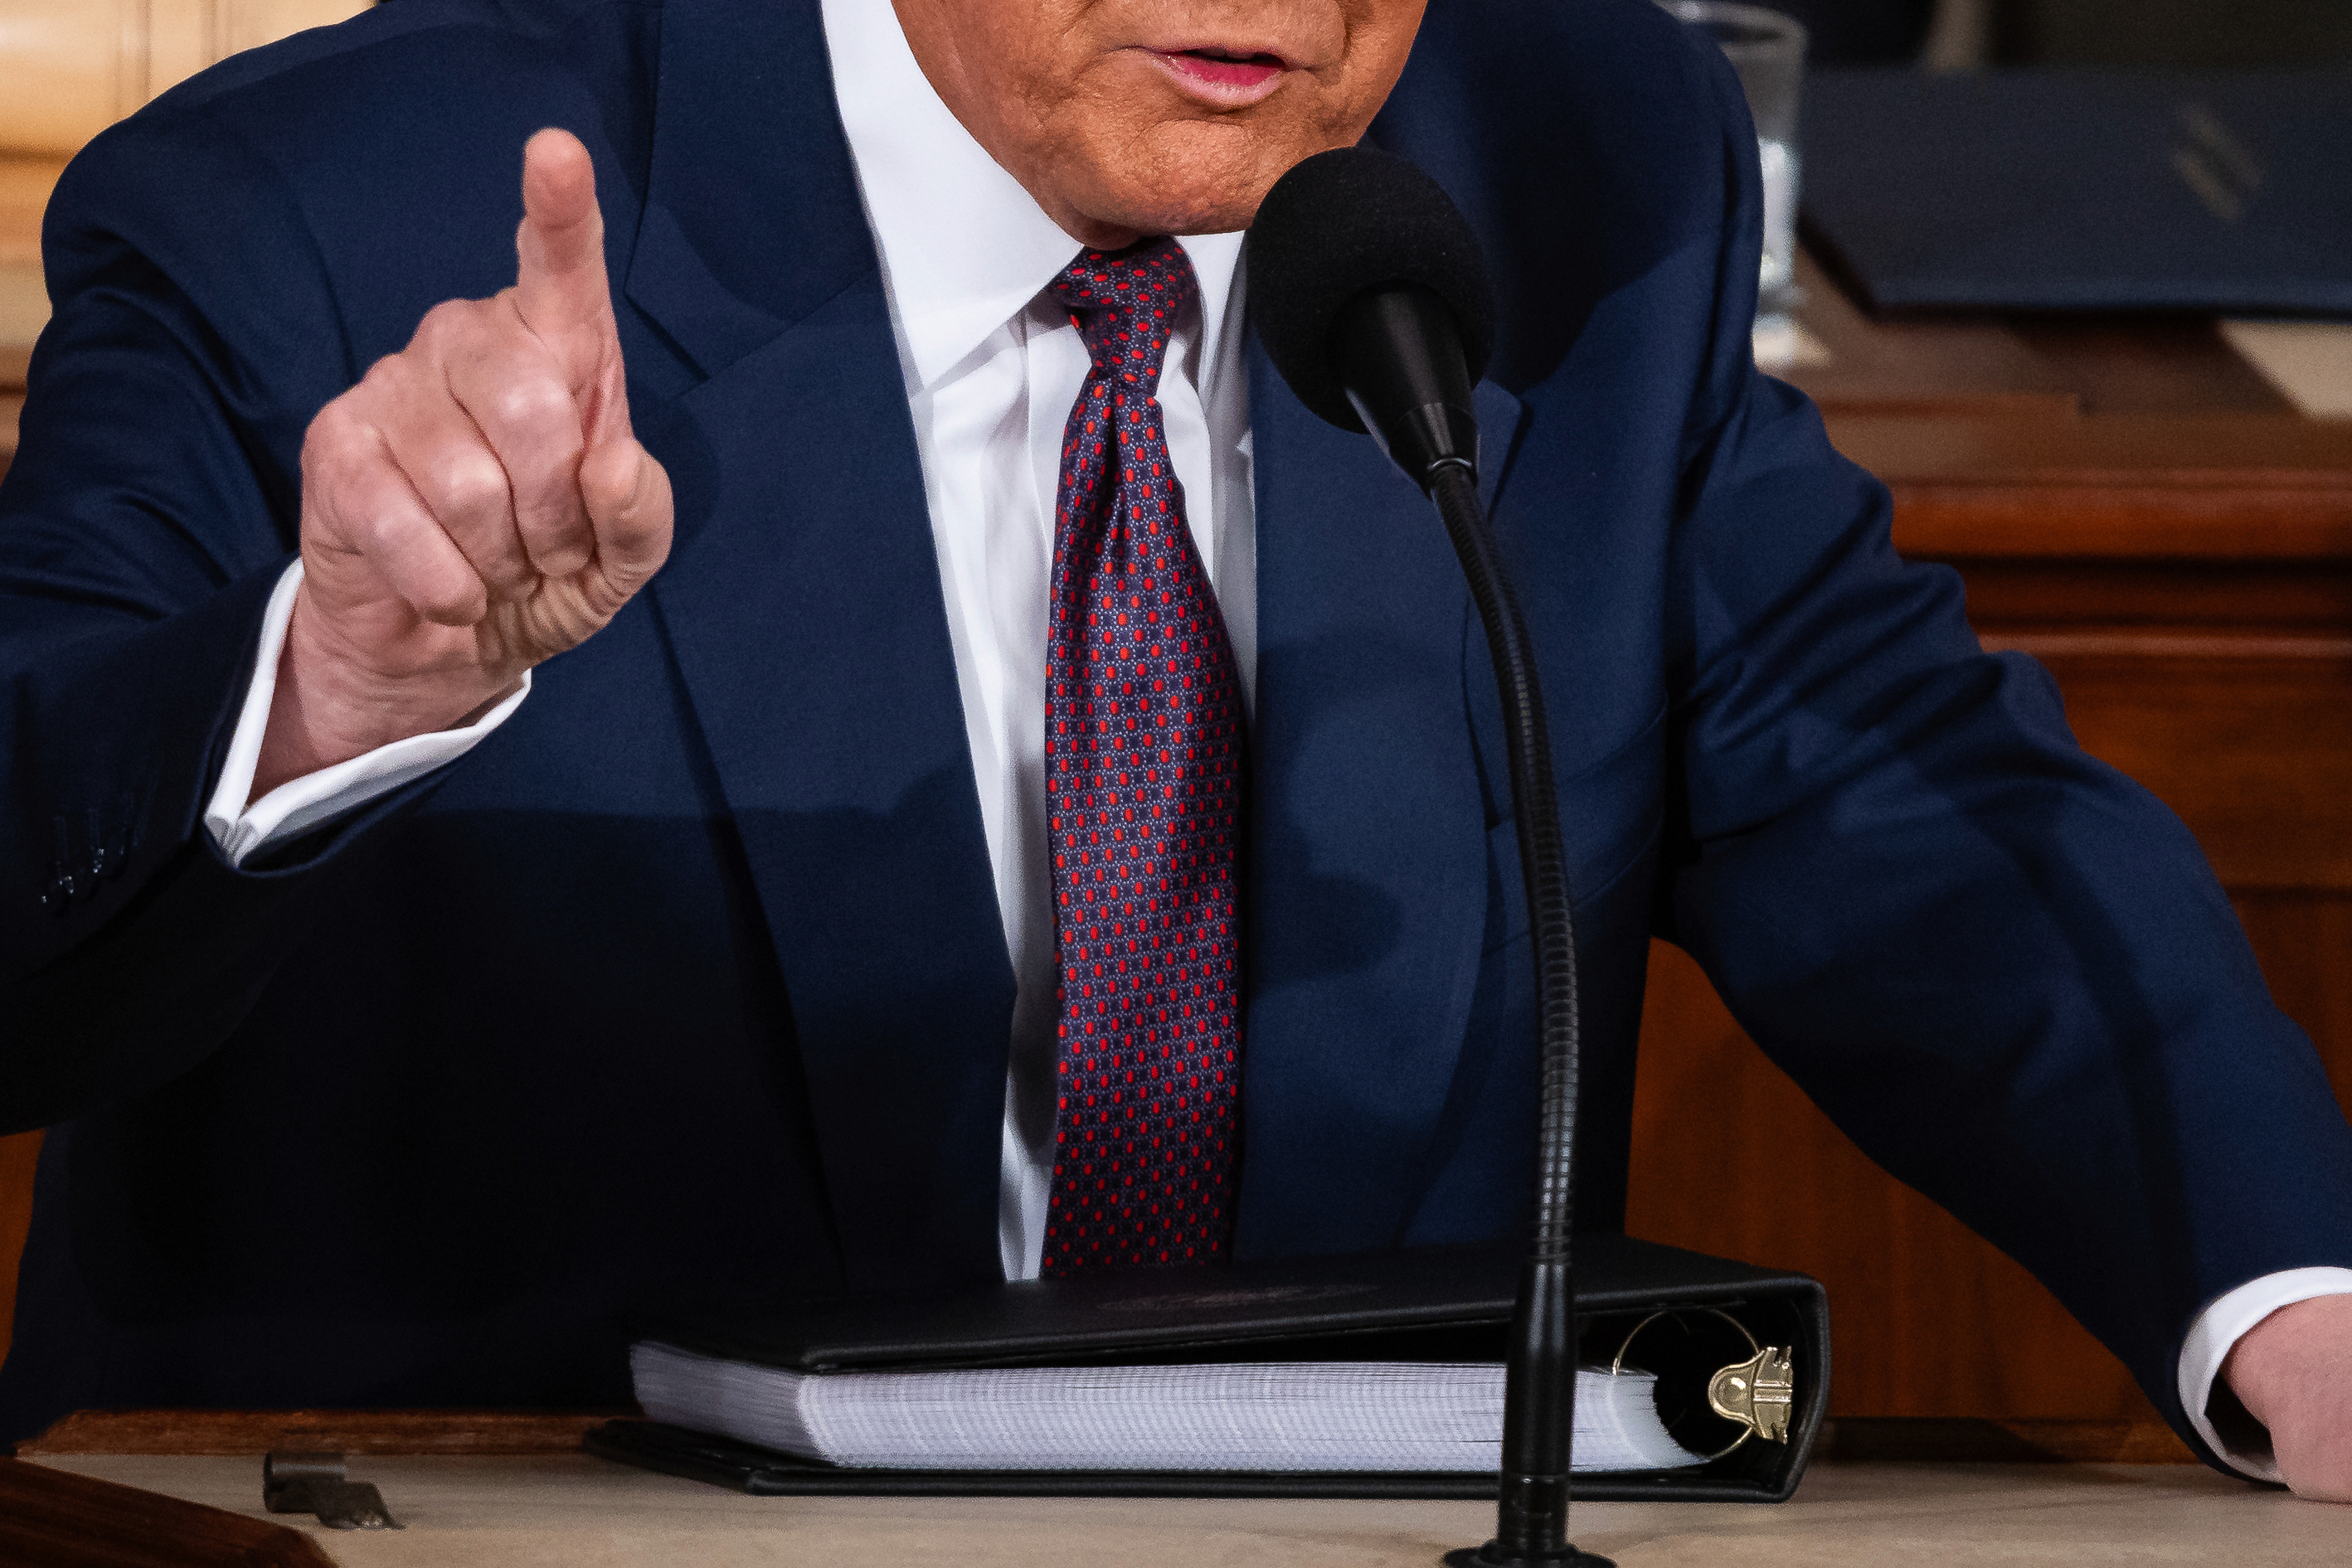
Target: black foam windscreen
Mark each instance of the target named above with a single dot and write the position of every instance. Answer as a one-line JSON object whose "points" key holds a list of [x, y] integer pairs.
{"points": [[1343, 222]]}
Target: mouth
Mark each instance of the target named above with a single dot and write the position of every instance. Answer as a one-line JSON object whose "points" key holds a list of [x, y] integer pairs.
{"points": [[1224, 78]]}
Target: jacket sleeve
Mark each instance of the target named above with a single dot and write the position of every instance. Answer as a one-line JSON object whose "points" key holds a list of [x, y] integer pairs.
{"points": [[2000, 966], [152, 506]]}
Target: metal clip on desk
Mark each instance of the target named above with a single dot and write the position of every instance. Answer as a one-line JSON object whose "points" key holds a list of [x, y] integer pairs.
{"points": [[316, 1484]]}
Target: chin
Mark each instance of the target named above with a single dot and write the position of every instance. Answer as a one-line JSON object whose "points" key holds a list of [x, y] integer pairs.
{"points": [[1192, 177]]}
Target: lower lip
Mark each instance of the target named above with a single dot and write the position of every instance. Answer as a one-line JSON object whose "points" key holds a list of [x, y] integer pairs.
{"points": [[1226, 83]]}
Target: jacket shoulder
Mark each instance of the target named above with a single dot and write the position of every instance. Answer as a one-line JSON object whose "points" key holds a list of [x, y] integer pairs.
{"points": [[381, 155], [446, 25], [1590, 144]]}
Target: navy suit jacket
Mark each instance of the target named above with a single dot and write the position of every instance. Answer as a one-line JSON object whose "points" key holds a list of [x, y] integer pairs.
{"points": [[690, 977]]}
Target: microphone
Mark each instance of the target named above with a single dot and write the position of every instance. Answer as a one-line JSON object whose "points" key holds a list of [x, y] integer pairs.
{"points": [[1370, 293]]}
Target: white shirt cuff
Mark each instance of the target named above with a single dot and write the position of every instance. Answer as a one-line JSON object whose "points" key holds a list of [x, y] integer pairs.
{"points": [[2217, 1332], [240, 825]]}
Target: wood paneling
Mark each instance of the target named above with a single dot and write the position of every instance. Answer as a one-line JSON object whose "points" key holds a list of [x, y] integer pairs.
{"points": [[17, 1157], [75, 67], [24, 186], [2305, 942], [2255, 752], [25, 182], [340, 1431], [2010, 1440]]}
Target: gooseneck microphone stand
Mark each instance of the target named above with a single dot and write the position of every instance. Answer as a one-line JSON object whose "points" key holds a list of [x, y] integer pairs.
{"points": [[1531, 1513], [1370, 296], [1399, 359]]}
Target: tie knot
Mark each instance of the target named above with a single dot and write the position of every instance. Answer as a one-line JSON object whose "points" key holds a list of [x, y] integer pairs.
{"points": [[1125, 303]]}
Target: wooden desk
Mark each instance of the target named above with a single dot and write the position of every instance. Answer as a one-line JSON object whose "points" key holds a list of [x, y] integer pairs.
{"points": [[574, 1511]]}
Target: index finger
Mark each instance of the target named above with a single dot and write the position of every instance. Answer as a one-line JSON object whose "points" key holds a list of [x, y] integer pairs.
{"points": [[560, 282]]}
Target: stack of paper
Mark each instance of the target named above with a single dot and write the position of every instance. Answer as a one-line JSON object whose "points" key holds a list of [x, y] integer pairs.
{"points": [[1276, 1416]]}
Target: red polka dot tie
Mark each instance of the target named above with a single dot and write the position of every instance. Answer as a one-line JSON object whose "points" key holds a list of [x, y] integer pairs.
{"points": [[1143, 769]]}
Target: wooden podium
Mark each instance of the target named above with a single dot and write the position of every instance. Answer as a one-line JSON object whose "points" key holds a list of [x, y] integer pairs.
{"points": [[500, 1488]]}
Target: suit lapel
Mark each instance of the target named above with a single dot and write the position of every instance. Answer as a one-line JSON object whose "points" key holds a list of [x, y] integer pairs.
{"points": [[802, 603], [1368, 877]]}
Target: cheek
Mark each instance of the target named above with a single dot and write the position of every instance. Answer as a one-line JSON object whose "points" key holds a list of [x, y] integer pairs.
{"points": [[1380, 39], [1022, 78]]}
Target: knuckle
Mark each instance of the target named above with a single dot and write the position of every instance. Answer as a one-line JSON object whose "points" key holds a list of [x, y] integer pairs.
{"points": [[538, 405], [384, 531], [471, 483], [337, 451], [329, 436], [446, 323], [388, 377]]}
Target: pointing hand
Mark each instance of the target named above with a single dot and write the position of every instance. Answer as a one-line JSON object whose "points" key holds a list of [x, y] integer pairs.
{"points": [[475, 505]]}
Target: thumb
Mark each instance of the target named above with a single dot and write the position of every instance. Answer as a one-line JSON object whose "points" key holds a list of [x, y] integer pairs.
{"points": [[627, 496], [560, 284]]}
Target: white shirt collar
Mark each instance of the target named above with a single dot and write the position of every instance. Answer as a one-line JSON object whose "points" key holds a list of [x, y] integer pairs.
{"points": [[965, 247]]}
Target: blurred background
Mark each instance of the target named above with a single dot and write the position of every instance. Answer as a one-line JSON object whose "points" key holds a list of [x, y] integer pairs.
{"points": [[74, 67], [1957, 34]]}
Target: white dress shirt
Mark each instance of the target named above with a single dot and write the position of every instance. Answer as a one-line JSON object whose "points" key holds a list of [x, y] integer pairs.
{"points": [[993, 368]]}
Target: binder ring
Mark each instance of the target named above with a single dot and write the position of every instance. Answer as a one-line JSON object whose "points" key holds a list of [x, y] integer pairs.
{"points": [[1757, 1393]]}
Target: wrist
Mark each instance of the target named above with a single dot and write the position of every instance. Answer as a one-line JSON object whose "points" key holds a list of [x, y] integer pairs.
{"points": [[2263, 1360], [2293, 1372], [330, 706]]}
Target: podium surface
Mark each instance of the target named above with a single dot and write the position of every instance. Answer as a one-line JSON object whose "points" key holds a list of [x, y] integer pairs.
{"points": [[577, 1512]]}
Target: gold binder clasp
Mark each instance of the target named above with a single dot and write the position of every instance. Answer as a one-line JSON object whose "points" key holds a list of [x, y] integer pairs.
{"points": [[1758, 1393]]}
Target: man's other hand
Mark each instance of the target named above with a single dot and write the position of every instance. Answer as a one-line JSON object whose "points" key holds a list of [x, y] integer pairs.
{"points": [[2293, 1372], [475, 505]]}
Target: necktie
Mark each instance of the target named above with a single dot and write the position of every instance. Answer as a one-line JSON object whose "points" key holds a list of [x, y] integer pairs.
{"points": [[1143, 769]]}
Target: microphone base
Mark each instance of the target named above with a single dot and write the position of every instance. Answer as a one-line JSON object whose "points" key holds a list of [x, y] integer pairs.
{"points": [[1491, 1555]]}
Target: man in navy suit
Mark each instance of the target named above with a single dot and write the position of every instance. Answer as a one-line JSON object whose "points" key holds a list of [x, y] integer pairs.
{"points": [[436, 926]]}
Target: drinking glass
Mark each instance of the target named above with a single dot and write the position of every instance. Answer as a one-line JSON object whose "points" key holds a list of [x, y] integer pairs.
{"points": [[1767, 50]]}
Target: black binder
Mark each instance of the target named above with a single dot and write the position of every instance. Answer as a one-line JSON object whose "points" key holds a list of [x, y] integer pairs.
{"points": [[1413, 1304], [2078, 189]]}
